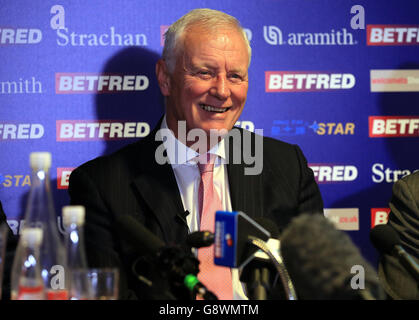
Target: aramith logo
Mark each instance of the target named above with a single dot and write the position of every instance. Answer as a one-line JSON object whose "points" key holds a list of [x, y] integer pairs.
{"points": [[275, 37], [20, 86], [75, 83], [298, 81], [392, 35]]}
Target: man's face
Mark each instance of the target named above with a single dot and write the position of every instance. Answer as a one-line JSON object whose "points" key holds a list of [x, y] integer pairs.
{"points": [[208, 87]]}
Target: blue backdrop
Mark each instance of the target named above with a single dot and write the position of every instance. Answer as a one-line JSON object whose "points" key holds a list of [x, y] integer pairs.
{"points": [[338, 78]]}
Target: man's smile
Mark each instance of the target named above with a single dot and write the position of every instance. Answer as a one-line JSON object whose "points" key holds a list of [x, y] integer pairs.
{"points": [[213, 109]]}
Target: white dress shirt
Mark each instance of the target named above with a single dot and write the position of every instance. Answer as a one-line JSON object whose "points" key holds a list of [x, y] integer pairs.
{"points": [[185, 168]]}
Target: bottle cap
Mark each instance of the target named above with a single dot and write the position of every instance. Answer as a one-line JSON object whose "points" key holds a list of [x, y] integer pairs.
{"points": [[32, 236], [40, 160], [73, 214]]}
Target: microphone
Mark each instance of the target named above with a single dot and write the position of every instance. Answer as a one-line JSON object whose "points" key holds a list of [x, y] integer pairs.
{"points": [[321, 261], [199, 239], [179, 266], [386, 240], [257, 274], [238, 238]]}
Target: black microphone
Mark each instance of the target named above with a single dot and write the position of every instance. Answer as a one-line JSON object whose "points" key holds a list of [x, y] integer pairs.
{"points": [[258, 273], [180, 266], [386, 240], [199, 239], [324, 264]]}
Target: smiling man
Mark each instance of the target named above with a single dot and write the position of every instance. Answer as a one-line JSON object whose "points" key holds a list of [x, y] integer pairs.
{"points": [[203, 76]]}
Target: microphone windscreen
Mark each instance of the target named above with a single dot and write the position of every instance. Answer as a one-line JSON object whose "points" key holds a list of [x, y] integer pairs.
{"points": [[268, 225], [320, 258], [142, 239], [384, 238], [199, 239]]}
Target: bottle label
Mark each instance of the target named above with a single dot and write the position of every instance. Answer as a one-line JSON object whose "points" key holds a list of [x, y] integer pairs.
{"points": [[57, 294], [31, 293]]}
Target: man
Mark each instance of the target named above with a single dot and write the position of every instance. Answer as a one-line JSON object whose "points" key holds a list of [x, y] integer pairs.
{"points": [[203, 77], [404, 218], [6, 264]]}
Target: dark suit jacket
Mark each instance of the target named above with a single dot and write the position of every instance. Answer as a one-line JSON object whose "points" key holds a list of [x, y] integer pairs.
{"points": [[404, 218], [130, 182], [9, 254]]}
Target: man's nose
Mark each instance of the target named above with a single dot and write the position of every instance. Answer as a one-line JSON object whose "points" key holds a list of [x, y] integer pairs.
{"points": [[221, 87]]}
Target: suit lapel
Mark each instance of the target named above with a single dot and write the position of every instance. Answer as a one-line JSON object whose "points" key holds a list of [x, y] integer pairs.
{"points": [[157, 185], [246, 191]]}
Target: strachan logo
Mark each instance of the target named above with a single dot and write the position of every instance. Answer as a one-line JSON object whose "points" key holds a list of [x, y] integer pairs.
{"points": [[275, 37], [392, 35], [300, 81], [388, 175]]}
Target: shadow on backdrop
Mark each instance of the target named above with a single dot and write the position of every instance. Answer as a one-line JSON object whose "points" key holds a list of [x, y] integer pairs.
{"points": [[137, 106], [402, 153]]}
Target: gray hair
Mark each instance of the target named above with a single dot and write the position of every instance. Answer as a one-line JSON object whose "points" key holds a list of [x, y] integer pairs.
{"points": [[207, 18]]}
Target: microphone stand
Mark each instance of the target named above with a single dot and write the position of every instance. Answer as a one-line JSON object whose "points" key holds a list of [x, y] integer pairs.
{"points": [[279, 265]]}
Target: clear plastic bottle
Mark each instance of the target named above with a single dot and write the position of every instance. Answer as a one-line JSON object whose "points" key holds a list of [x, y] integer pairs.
{"points": [[30, 282], [73, 219], [40, 213]]}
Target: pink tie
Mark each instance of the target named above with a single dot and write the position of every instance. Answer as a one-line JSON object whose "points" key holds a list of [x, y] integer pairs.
{"points": [[217, 279]]}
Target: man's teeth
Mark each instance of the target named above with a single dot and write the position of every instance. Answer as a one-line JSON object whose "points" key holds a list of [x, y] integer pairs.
{"points": [[213, 109]]}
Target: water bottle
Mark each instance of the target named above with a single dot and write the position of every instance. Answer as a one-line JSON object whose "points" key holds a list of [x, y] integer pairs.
{"points": [[73, 220], [30, 282], [40, 213]]}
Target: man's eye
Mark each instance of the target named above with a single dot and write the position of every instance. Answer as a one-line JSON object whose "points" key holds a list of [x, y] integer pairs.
{"points": [[236, 76]]}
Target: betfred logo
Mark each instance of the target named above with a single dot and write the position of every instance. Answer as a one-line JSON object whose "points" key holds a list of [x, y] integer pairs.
{"points": [[76, 83], [379, 216], [393, 126], [333, 173], [343, 218], [63, 174], [10, 36], [21, 131], [84, 130], [298, 81], [392, 35]]}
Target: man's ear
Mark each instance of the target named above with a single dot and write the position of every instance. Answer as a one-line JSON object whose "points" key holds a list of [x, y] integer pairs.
{"points": [[163, 77]]}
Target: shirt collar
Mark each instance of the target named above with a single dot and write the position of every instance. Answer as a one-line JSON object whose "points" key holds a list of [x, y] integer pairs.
{"points": [[180, 154]]}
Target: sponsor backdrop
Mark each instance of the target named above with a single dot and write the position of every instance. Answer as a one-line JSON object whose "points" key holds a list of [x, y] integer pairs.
{"points": [[338, 78]]}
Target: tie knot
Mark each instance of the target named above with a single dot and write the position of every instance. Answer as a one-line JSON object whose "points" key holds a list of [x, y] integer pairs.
{"points": [[206, 163]]}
